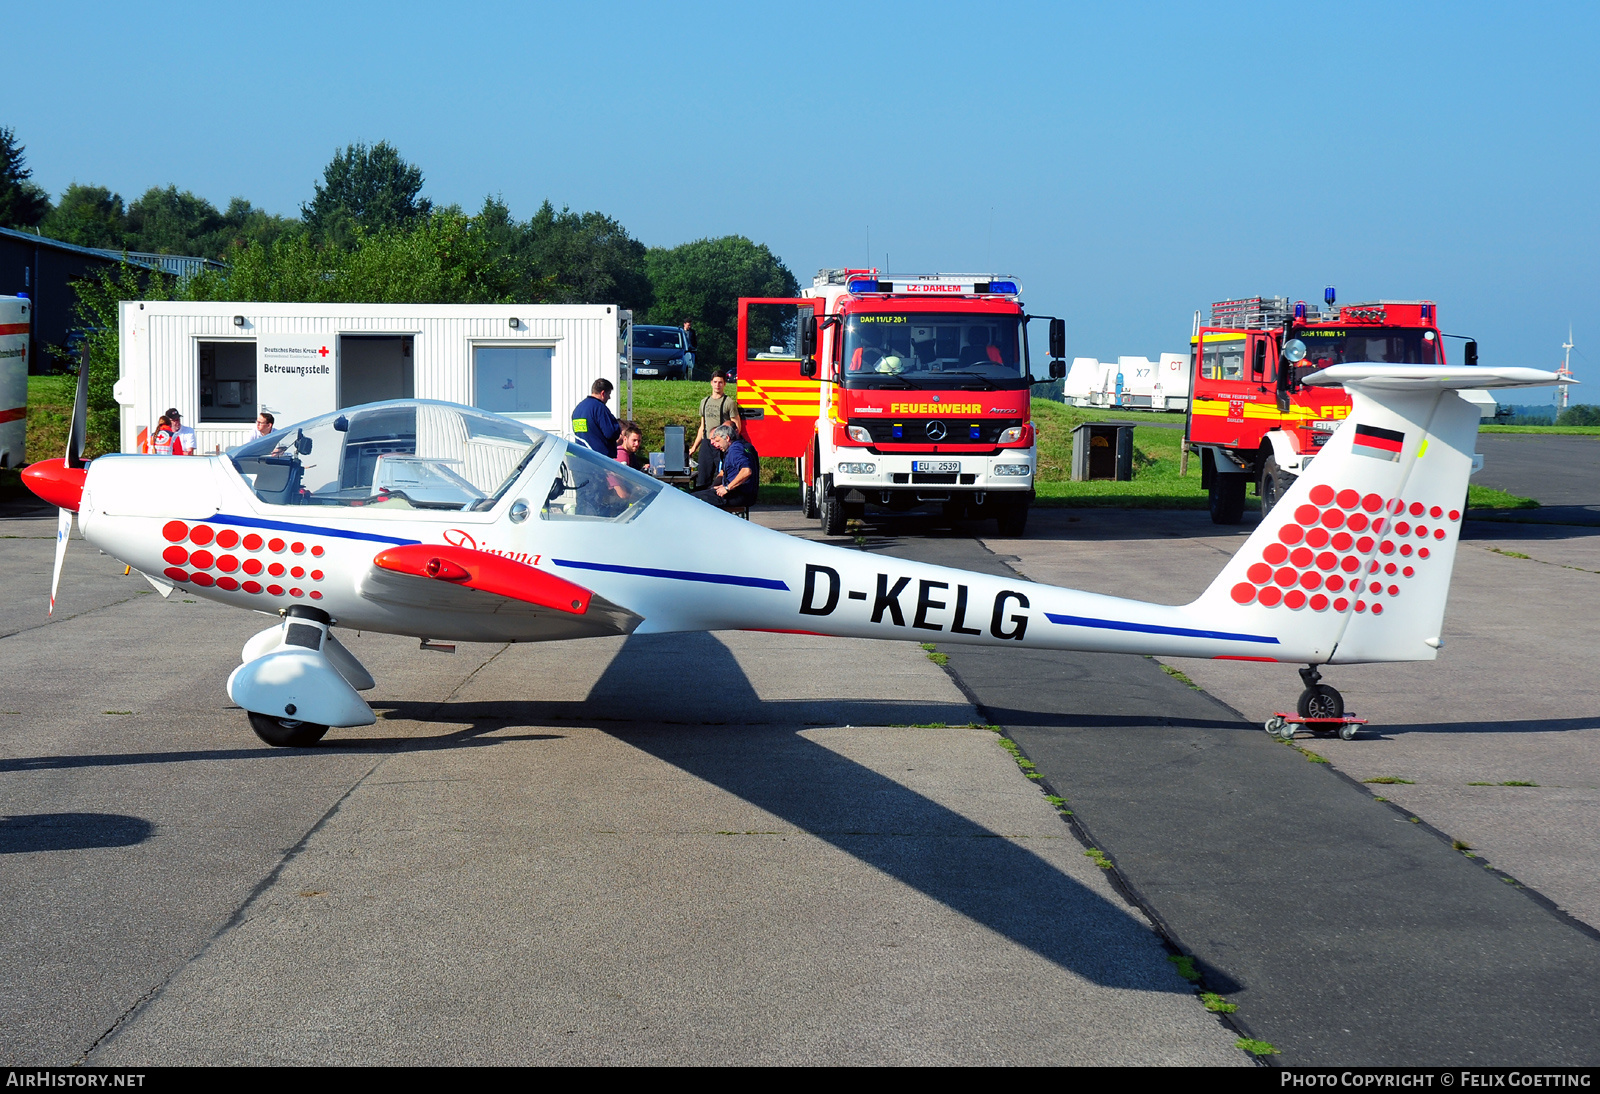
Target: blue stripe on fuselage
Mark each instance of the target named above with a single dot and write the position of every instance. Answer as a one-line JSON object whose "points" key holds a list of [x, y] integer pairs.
{"points": [[1151, 628], [676, 575], [304, 529]]}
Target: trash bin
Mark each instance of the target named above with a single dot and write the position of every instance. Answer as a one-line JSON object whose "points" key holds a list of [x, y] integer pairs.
{"points": [[1102, 450]]}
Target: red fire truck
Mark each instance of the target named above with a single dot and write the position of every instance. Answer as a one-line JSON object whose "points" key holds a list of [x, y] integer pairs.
{"points": [[1250, 417], [896, 392]]}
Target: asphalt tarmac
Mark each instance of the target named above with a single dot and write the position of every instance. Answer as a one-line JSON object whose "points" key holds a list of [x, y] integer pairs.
{"points": [[1345, 931], [762, 848], [714, 849], [1562, 472]]}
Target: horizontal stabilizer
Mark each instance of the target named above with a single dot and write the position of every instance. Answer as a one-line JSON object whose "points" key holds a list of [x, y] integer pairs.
{"points": [[1431, 377]]}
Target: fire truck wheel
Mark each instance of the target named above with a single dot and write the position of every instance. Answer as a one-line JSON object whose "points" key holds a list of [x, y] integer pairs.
{"points": [[285, 732], [1012, 521], [1275, 483], [1227, 499], [808, 499], [1320, 701], [832, 511]]}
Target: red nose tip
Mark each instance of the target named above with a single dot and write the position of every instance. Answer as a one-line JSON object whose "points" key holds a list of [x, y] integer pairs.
{"points": [[56, 483]]}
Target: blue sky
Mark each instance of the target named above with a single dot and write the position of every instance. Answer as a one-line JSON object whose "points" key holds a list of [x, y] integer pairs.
{"points": [[1130, 163]]}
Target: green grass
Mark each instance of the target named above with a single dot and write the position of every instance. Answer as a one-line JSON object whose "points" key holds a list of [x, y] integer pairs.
{"points": [[1216, 1004], [1185, 965], [1098, 857], [1254, 1047], [1486, 497], [49, 411], [1391, 780]]}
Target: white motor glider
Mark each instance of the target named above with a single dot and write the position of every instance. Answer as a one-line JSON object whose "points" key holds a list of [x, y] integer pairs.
{"points": [[448, 523]]}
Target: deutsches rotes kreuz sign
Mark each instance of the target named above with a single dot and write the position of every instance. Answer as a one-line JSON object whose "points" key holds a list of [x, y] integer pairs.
{"points": [[299, 375]]}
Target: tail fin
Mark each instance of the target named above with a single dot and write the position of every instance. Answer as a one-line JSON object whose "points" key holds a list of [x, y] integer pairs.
{"points": [[1353, 564]]}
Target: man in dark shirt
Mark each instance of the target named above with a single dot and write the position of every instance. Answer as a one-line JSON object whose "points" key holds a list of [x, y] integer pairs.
{"points": [[739, 482], [593, 424]]}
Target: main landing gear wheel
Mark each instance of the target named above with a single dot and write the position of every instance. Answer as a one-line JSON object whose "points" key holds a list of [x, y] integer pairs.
{"points": [[285, 732]]}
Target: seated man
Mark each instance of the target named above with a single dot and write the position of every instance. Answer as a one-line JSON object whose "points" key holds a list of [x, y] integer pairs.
{"points": [[737, 487], [628, 447]]}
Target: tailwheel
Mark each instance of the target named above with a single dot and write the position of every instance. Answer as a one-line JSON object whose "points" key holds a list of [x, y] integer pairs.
{"points": [[285, 732], [1319, 702]]}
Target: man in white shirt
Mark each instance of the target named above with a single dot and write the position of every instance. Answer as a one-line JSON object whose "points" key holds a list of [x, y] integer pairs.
{"points": [[182, 436]]}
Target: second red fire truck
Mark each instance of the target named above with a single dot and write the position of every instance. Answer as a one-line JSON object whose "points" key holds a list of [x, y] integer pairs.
{"points": [[1251, 419], [896, 392]]}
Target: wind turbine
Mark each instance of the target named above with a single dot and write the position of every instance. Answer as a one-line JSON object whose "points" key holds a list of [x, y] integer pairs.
{"points": [[1565, 371]]}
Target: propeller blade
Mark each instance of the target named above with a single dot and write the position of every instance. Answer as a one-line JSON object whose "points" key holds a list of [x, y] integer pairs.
{"points": [[63, 533], [78, 430]]}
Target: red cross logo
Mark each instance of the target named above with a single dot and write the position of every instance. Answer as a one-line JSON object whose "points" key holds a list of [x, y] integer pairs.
{"points": [[323, 351]]}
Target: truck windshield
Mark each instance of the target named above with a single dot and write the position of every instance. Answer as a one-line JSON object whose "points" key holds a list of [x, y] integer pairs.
{"points": [[930, 350], [1385, 345]]}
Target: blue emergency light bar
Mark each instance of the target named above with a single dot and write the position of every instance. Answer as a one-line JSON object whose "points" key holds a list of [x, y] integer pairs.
{"points": [[862, 284], [1329, 295], [1004, 287], [1299, 309]]}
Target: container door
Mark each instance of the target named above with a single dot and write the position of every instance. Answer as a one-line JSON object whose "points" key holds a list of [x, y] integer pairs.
{"points": [[779, 406]]}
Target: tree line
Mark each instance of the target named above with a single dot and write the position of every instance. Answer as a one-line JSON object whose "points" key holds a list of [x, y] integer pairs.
{"points": [[368, 234]]}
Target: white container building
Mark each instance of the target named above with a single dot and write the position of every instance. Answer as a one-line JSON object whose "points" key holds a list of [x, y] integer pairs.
{"points": [[1132, 383], [220, 363]]}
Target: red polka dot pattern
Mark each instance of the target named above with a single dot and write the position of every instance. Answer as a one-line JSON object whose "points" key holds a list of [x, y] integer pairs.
{"points": [[189, 563], [1295, 571]]}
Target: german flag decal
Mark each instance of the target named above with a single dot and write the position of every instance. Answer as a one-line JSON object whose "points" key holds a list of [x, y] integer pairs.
{"points": [[1380, 444]]}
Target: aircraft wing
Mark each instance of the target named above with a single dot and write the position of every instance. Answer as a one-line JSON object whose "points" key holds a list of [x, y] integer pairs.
{"points": [[474, 595]]}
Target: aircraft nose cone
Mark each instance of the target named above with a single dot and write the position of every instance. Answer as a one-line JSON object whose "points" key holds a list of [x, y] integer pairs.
{"points": [[56, 483]]}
